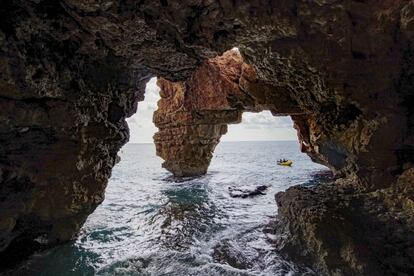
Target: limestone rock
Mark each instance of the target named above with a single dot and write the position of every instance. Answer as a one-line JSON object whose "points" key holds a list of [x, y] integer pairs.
{"points": [[318, 225], [193, 115], [71, 71]]}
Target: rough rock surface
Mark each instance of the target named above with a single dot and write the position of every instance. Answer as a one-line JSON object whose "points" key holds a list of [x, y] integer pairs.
{"points": [[346, 232], [192, 116], [71, 71]]}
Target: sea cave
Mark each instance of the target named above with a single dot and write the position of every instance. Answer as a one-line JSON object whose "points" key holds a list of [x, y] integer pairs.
{"points": [[72, 72]]}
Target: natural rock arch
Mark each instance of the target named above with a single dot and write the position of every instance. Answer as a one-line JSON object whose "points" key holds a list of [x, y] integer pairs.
{"points": [[72, 71], [192, 115]]}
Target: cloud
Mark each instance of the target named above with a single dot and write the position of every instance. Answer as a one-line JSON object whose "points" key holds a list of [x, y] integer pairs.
{"points": [[151, 106], [132, 120], [152, 89], [265, 119], [252, 126]]}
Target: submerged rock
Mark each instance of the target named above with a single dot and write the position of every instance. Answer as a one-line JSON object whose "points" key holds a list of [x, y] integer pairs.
{"points": [[228, 252], [247, 192]]}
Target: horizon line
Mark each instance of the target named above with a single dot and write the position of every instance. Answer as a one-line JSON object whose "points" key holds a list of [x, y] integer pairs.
{"points": [[227, 141]]}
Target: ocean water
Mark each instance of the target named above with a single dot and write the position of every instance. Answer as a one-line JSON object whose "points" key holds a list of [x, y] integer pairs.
{"points": [[153, 224]]}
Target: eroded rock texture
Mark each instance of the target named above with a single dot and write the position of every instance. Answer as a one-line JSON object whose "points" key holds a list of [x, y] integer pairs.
{"points": [[342, 231], [192, 115], [72, 71], [63, 100]]}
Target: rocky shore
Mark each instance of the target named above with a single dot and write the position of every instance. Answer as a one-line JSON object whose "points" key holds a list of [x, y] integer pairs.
{"points": [[317, 225]]}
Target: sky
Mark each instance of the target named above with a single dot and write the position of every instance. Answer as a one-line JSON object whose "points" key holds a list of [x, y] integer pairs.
{"points": [[254, 126]]}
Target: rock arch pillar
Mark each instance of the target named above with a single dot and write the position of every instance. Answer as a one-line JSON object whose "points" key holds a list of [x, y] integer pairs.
{"points": [[187, 137]]}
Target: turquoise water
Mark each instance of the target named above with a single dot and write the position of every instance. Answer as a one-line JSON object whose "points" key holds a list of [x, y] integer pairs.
{"points": [[153, 224]]}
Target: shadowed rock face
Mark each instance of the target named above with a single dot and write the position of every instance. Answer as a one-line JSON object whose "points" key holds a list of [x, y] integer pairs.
{"points": [[71, 71]]}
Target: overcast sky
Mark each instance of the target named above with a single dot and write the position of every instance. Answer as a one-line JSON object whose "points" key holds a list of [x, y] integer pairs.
{"points": [[254, 127]]}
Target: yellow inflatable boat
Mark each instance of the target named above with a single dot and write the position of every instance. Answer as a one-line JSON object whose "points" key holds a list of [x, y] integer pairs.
{"points": [[286, 163]]}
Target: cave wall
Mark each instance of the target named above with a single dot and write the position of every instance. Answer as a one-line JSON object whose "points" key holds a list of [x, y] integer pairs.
{"points": [[346, 65], [62, 112], [67, 83], [72, 71]]}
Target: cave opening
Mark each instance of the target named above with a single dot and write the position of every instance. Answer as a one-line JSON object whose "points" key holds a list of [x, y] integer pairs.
{"points": [[261, 126], [141, 126], [253, 147], [149, 216], [151, 221]]}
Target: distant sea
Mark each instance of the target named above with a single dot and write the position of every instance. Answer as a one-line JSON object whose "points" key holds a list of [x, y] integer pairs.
{"points": [[154, 224]]}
